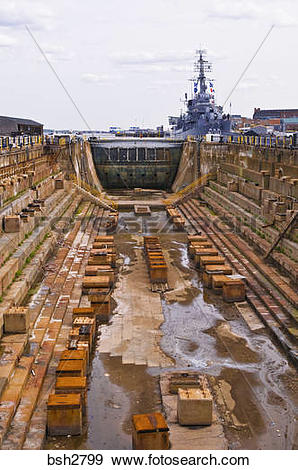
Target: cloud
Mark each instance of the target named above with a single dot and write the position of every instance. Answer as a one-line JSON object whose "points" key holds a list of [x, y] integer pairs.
{"points": [[17, 14], [152, 58], [57, 53], [6, 41], [165, 61], [248, 84], [94, 78], [234, 10], [249, 10]]}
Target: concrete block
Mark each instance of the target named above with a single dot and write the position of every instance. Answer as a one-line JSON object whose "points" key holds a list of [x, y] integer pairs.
{"points": [[7, 273], [16, 320], [194, 407], [12, 223], [64, 414], [150, 431]]}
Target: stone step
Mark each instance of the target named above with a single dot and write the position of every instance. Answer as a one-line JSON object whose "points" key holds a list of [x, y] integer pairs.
{"points": [[41, 351], [36, 432], [63, 286], [12, 393]]}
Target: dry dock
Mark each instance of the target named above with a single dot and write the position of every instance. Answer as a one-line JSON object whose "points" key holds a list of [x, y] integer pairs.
{"points": [[162, 318]]}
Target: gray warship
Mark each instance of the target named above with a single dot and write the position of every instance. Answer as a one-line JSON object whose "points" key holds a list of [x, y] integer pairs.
{"points": [[203, 116]]}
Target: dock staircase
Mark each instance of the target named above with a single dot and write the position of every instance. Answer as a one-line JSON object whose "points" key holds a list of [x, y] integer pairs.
{"points": [[189, 191], [290, 223], [93, 195]]}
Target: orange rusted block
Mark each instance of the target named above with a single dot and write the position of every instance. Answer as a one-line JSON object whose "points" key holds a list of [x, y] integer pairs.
{"points": [[104, 238], [79, 345], [150, 432], [68, 385], [75, 355], [158, 273], [99, 295], [204, 252], [196, 238], [95, 270], [179, 221], [209, 270], [90, 282], [102, 308], [71, 368], [218, 281], [193, 246], [64, 414], [233, 290], [109, 246], [83, 312], [101, 259], [208, 260]]}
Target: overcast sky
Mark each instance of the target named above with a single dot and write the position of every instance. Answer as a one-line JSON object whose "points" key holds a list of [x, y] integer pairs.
{"points": [[127, 62]]}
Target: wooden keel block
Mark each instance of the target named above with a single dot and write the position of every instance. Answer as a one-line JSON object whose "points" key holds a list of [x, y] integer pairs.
{"points": [[64, 414], [76, 355], [83, 312], [233, 290], [71, 368], [209, 260], [150, 431], [69, 385], [209, 270]]}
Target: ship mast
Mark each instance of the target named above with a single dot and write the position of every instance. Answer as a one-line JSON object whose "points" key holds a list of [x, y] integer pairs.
{"points": [[202, 77], [201, 66]]}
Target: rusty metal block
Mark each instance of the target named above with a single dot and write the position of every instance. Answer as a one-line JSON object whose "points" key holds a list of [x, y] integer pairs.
{"points": [[150, 431], [64, 414]]}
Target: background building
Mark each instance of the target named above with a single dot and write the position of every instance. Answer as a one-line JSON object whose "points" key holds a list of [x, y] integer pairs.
{"points": [[10, 126]]}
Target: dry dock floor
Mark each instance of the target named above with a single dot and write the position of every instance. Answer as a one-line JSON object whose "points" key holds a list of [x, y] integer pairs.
{"points": [[253, 385]]}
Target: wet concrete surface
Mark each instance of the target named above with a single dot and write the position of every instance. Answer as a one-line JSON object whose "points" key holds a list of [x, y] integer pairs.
{"points": [[254, 387]]}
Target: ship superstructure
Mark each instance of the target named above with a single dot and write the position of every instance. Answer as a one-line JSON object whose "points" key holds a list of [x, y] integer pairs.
{"points": [[202, 116]]}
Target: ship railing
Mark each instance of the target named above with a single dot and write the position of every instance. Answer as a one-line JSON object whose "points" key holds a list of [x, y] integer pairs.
{"points": [[19, 142]]}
